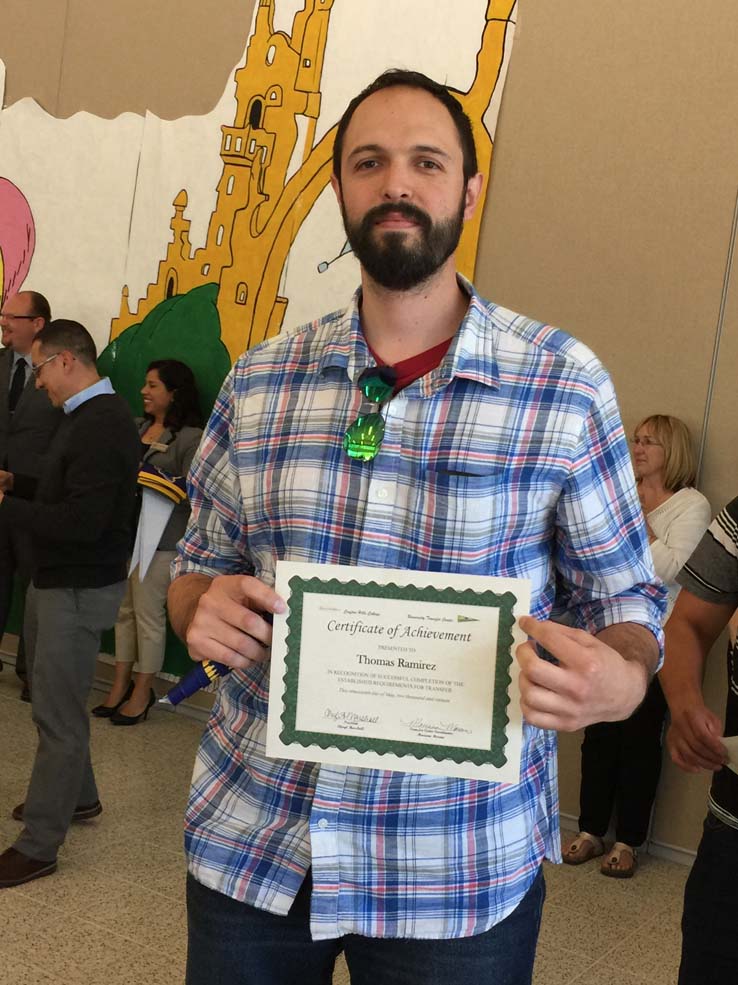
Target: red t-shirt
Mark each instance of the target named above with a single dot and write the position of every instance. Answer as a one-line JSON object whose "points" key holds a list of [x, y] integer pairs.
{"points": [[409, 370]]}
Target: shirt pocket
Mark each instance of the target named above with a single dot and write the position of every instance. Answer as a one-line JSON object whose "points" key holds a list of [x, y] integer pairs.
{"points": [[462, 510]]}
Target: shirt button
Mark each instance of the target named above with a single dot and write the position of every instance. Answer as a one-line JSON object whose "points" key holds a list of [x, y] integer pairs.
{"points": [[382, 493], [323, 823]]}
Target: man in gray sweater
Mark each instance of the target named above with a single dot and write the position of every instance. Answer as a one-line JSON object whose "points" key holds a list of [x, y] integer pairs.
{"points": [[80, 520]]}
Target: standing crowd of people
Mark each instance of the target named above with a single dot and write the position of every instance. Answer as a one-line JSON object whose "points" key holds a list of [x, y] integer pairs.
{"points": [[499, 450]]}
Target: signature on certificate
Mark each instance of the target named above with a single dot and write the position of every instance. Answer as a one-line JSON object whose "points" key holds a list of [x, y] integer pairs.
{"points": [[437, 728], [350, 718]]}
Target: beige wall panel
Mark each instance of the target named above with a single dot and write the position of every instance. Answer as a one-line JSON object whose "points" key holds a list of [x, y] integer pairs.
{"points": [[173, 58], [613, 186], [31, 45]]}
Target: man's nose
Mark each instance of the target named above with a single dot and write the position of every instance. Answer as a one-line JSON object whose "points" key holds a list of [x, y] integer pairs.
{"points": [[397, 184]]}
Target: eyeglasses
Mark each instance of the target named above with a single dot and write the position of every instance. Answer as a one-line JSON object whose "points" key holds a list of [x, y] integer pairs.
{"points": [[645, 441], [7, 316], [364, 437], [39, 366]]}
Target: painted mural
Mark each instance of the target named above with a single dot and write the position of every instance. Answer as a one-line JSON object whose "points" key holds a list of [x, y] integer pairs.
{"points": [[276, 166]]}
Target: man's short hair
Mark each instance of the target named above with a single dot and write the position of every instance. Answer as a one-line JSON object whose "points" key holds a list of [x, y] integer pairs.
{"points": [[63, 334], [40, 307], [413, 80]]}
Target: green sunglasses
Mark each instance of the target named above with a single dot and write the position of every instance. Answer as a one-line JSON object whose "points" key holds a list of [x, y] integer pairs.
{"points": [[364, 437]]}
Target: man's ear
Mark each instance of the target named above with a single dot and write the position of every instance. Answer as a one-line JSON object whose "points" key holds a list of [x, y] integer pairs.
{"points": [[336, 186], [472, 194]]}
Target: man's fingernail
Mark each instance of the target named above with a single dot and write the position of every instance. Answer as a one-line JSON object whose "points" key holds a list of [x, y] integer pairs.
{"points": [[279, 606]]}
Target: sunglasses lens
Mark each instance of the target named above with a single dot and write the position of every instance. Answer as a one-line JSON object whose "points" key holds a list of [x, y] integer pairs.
{"points": [[376, 389], [364, 438]]}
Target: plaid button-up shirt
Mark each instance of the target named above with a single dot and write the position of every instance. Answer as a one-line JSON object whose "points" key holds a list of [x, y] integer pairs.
{"points": [[508, 459]]}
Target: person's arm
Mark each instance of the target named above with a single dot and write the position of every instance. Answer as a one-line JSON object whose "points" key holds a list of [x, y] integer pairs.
{"points": [[694, 735], [678, 537], [213, 605], [597, 678], [221, 618], [605, 581], [90, 484]]}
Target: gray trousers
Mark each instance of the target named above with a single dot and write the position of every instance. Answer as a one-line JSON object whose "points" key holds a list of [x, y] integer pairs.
{"points": [[62, 629]]}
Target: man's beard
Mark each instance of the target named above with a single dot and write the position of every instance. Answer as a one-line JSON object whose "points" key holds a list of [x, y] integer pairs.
{"points": [[400, 261]]}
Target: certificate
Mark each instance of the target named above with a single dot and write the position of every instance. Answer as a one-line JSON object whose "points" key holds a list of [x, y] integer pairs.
{"points": [[397, 670]]}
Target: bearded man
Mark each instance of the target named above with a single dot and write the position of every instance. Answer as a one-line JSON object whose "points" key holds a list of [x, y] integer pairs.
{"points": [[500, 452]]}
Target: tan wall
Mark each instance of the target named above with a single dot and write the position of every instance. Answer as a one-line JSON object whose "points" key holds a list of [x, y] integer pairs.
{"points": [[613, 187]]}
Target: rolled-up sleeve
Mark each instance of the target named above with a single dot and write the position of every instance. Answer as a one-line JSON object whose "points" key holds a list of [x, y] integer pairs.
{"points": [[602, 556], [214, 542]]}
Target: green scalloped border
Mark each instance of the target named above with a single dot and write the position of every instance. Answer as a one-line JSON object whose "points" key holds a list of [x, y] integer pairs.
{"points": [[290, 734]]}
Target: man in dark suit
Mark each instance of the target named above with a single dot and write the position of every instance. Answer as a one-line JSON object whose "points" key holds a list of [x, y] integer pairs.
{"points": [[28, 423]]}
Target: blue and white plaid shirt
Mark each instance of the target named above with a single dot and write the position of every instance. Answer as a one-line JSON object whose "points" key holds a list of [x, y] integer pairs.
{"points": [[508, 459]]}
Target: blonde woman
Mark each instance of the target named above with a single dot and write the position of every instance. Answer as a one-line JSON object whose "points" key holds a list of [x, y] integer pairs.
{"points": [[621, 761]]}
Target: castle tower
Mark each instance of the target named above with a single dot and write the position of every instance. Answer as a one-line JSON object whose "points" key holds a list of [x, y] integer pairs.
{"points": [[277, 86]]}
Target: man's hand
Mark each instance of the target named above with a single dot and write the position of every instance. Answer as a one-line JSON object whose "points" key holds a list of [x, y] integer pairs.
{"points": [[592, 682], [220, 618], [6, 481], [694, 739]]}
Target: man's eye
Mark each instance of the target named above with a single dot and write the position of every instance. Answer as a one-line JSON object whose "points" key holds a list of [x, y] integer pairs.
{"points": [[429, 165], [366, 165]]}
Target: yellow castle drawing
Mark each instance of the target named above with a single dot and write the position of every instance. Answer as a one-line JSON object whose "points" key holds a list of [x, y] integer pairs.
{"points": [[273, 173]]}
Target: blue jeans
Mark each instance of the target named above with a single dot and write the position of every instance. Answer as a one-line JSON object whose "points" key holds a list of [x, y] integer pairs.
{"points": [[232, 943], [710, 908]]}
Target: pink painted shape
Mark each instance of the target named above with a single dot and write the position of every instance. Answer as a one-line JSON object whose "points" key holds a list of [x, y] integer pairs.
{"points": [[17, 236]]}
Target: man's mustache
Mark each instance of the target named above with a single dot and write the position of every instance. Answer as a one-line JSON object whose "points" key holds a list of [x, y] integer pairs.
{"points": [[405, 209]]}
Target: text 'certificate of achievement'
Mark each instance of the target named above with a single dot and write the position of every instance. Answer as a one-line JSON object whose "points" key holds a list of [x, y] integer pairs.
{"points": [[397, 670]]}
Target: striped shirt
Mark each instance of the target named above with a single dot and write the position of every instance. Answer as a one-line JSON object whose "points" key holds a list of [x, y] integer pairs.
{"points": [[711, 574], [508, 459]]}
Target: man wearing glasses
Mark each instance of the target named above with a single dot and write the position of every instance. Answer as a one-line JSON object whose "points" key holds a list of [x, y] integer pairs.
{"points": [[80, 521], [421, 428], [28, 423]]}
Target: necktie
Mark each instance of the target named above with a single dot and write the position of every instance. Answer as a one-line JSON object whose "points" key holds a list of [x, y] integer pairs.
{"points": [[17, 384]]}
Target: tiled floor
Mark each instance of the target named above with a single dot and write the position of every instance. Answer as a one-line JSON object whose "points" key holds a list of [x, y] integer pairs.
{"points": [[114, 912]]}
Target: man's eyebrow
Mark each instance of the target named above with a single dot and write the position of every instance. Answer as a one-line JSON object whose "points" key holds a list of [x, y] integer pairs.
{"points": [[418, 148]]}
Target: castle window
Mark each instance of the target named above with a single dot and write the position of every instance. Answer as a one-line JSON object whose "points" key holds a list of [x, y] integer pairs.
{"points": [[229, 186], [271, 53], [272, 94], [252, 145], [171, 283], [242, 293], [219, 236], [239, 143], [227, 144], [255, 114], [205, 269], [306, 62]]}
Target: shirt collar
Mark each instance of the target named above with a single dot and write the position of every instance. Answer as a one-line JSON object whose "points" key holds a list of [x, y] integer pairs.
{"points": [[471, 354], [95, 390]]}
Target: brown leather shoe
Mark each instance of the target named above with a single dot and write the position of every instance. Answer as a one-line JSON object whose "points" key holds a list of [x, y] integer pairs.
{"points": [[82, 813], [17, 868]]}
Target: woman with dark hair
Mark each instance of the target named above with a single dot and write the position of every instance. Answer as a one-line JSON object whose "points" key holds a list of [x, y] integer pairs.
{"points": [[170, 432], [621, 761]]}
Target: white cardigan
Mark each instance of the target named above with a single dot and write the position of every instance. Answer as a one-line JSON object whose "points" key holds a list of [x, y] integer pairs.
{"points": [[678, 524]]}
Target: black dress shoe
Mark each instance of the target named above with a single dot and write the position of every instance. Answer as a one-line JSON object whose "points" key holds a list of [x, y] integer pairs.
{"points": [[81, 813], [17, 868], [105, 711], [120, 719], [25, 694]]}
